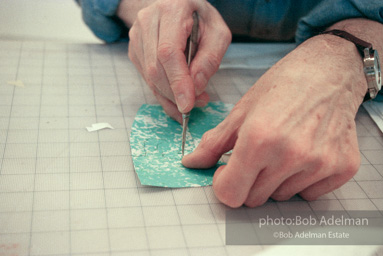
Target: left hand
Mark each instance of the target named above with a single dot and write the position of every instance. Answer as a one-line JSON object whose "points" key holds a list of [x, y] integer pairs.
{"points": [[157, 45], [294, 130]]}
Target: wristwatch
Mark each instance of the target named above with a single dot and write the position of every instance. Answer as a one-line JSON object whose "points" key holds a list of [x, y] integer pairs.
{"points": [[371, 63]]}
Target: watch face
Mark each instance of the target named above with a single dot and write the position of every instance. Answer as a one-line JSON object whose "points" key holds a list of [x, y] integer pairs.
{"points": [[378, 74]]}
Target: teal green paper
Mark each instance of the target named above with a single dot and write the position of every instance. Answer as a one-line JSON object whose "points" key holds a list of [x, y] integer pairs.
{"points": [[155, 142]]}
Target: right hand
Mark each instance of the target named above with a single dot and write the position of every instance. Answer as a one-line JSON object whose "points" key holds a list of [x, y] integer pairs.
{"points": [[157, 48], [293, 132]]}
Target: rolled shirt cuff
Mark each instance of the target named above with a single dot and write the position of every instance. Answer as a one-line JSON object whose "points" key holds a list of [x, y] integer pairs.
{"points": [[100, 17], [329, 12]]}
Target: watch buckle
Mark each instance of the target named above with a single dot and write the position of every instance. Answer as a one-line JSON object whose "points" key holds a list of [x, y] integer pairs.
{"points": [[369, 71]]}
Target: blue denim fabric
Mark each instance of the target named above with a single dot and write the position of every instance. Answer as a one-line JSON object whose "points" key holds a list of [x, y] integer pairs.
{"points": [[100, 16], [329, 12], [272, 20], [257, 19]]}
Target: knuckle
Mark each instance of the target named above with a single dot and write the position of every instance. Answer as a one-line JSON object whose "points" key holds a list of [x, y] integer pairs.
{"points": [[294, 152], [208, 138], [213, 61], [141, 15], [260, 137], [131, 33], [209, 142], [225, 34], [297, 151], [166, 51], [152, 72], [345, 168], [143, 19], [351, 167], [177, 84], [255, 139], [319, 160], [237, 115], [324, 164]]}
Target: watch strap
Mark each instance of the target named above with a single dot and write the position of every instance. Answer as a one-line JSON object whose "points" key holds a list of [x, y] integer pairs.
{"points": [[359, 43]]}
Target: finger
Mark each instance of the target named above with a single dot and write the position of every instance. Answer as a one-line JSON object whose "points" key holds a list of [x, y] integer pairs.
{"points": [[156, 78], [202, 100], [134, 59], [154, 73], [171, 48], [169, 107], [324, 186], [343, 169], [214, 143], [296, 183], [254, 170], [268, 180], [233, 182], [273, 177], [135, 49], [212, 47]]}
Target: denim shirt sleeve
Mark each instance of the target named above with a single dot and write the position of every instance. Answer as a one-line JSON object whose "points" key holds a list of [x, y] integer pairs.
{"points": [[332, 11], [100, 16], [329, 12]]}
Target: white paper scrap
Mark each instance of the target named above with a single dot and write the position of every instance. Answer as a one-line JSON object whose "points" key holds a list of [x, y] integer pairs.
{"points": [[99, 126], [17, 83]]}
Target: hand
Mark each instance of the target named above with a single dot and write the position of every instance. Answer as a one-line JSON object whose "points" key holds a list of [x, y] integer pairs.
{"points": [[294, 130], [157, 48]]}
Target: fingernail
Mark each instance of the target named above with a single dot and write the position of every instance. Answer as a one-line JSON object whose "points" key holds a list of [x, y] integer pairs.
{"points": [[181, 102], [200, 81]]}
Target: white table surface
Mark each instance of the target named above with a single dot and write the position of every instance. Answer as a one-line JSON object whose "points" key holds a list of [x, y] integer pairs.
{"points": [[66, 191]]}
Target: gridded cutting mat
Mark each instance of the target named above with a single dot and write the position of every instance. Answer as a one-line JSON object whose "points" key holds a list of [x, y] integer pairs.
{"points": [[65, 191]]}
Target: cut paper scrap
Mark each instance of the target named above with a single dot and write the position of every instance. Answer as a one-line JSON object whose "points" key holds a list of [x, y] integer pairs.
{"points": [[17, 83], [155, 142], [99, 126]]}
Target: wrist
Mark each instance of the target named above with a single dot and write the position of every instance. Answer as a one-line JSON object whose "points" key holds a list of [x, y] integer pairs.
{"points": [[371, 62], [347, 64]]}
